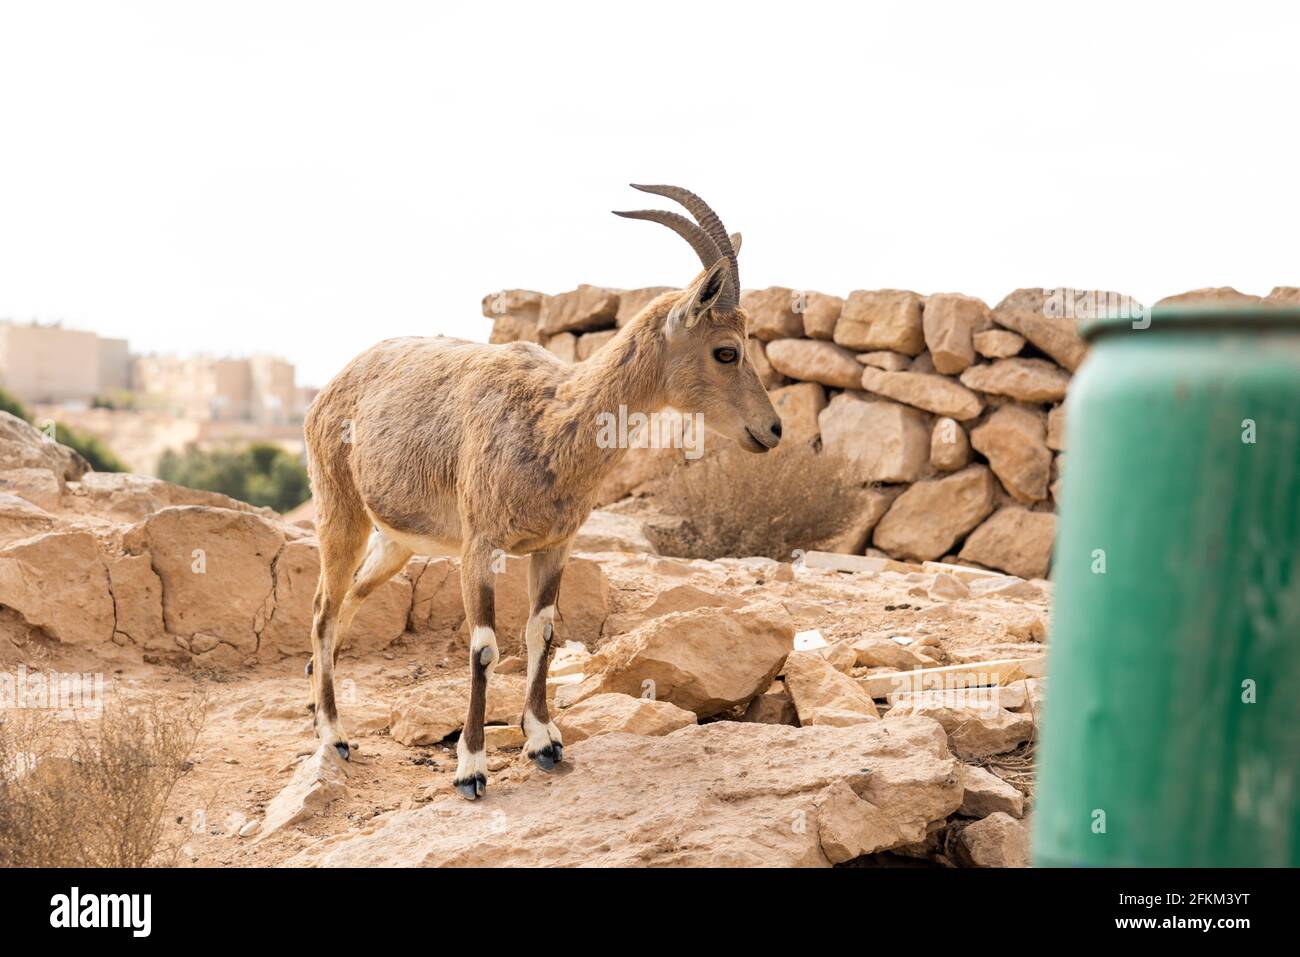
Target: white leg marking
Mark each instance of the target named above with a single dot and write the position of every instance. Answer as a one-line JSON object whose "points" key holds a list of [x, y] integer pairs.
{"points": [[481, 638]]}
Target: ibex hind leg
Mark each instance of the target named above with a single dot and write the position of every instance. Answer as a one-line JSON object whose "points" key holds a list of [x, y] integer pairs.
{"points": [[478, 592], [342, 544]]}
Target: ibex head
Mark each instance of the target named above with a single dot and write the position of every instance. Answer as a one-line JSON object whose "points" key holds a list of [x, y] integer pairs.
{"points": [[708, 367]]}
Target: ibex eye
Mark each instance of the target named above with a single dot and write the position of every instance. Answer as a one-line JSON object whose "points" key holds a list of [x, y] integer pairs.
{"points": [[726, 355]]}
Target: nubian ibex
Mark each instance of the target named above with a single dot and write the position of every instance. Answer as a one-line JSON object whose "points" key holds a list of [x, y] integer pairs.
{"points": [[425, 444]]}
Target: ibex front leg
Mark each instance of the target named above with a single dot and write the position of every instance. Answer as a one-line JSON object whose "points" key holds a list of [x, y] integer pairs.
{"points": [[543, 744], [478, 591]]}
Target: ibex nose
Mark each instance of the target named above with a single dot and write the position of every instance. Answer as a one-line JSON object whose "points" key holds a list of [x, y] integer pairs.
{"points": [[776, 428]]}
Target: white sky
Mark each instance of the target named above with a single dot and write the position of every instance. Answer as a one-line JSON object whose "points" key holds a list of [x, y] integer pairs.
{"points": [[307, 178]]}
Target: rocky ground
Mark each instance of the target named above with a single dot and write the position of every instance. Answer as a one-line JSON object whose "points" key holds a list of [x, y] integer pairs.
{"points": [[841, 709]]}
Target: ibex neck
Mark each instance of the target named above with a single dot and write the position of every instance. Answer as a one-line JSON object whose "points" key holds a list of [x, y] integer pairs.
{"points": [[625, 377]]}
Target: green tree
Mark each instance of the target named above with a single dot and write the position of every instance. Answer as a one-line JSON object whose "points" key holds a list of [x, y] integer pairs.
{"points": [[260, 474]]}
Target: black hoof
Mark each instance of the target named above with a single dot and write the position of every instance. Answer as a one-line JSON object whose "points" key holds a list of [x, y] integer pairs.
{"points": [[342, 748], [471, 789], [546, 758], [308, 667]]}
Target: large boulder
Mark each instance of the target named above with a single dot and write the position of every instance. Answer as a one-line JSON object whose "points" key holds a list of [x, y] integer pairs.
{"points": [[823, 695], [928, 519], [706, 660], [820, 313], [22, 446], [950, 322], [772, 313], [1014, 441], [1025, 380], [882, 441], [631, 302], [216, 570], [725, 794], [1030, 313], [1014, 540], [612, 713], [881, 319], [998, 343], [812, 360], [514, 314], [56, 585], [581, 310], [799, 406], [974, 730], [933, 393]]}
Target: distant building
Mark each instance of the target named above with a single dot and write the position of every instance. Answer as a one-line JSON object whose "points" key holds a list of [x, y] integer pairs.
{"points": [[51, 364]]}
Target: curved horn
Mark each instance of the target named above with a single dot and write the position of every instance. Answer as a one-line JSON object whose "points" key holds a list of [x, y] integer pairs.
{"points": [[704, 247], [712, 225]]}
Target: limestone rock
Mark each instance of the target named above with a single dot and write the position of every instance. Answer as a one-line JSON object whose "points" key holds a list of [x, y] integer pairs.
{"points": [[631, 302], [998, 343], [886, 360], [820, 313], [583, 309], [1056, 428], [611, 532], [812, 360], [610, 713], [514, 314], [723, 794], [1029, 313], [882, 441], [592, 342], [22, 446], [883, 319], [974, 730], [1220, 295], [39, 486], [706, 660], [870, 505], [1013, 540], [824, 695], [928, 519], [949, 445], [757, 355], [564, 345], [1026, 380], [799, 405], [771, 313], [57, 586], [319, 780], [886, 653], [1014, 441], [986, 794], [437, 707], [933, 393], [999, 840], [950, 322]]}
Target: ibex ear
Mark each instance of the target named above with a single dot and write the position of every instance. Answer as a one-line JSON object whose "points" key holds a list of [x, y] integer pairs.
{"points": [[698, 299], [735, 243]]}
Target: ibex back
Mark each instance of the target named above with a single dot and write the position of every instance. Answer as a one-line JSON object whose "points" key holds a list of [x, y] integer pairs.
{"points": [[423, 445]]}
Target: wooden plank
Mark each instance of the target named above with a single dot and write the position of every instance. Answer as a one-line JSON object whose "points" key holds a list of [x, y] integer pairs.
{"points": [[973, 675]]}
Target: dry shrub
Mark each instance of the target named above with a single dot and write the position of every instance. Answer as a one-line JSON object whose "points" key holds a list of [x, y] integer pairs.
{"points": [[91, 792], [738, 504]]}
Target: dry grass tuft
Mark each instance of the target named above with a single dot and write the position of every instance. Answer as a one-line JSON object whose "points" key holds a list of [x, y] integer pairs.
{"points": [[737, 504], [91, 792]]}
